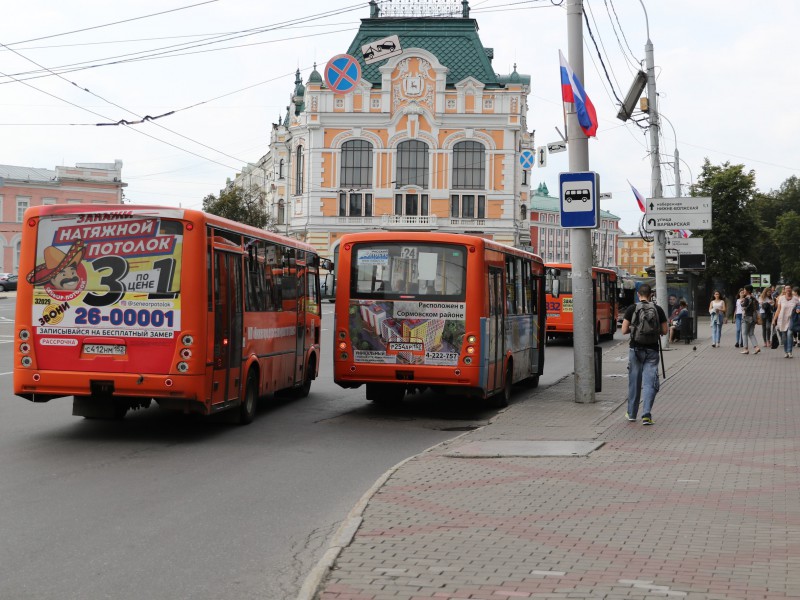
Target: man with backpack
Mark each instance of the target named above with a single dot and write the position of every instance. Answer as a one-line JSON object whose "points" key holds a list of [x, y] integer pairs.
{"points": [[646, 322], [749, 320]]}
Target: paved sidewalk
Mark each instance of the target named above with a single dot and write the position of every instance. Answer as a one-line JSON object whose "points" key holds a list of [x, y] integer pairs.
{"points": [[704, 504]]}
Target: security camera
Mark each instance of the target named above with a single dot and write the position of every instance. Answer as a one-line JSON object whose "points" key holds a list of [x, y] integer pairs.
{"points": [[637, 87]]}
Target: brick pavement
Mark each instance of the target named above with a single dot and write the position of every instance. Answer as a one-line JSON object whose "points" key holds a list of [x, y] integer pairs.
{"points": [[705, 504]]}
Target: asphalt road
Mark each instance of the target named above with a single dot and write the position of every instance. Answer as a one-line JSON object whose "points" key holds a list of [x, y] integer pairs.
{"points": [[166, 506]]}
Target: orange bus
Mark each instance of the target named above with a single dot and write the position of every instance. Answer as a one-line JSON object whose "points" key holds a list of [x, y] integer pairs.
{"points": [[118, 306], [457, 313], [558, 287]]}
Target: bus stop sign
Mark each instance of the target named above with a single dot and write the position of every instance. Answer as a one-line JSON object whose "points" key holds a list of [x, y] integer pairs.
{"points": [[579, 198]]}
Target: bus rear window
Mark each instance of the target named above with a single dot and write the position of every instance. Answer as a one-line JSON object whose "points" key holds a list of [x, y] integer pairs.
{"points": [[406, 269]]}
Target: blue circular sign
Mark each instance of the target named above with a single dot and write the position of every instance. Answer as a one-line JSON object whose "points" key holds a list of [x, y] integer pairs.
{"points": [[342, 74], [526, 159]]}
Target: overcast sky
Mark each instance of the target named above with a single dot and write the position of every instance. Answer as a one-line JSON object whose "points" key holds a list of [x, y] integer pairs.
{"points": [[727, 82]]}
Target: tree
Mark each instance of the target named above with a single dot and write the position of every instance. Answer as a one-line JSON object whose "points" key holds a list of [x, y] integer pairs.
{"points": [[786, 236], [246, 206], [736, 232]]}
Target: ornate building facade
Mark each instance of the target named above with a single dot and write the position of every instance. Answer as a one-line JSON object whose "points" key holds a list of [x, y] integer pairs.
{"points": [[429, 140]]}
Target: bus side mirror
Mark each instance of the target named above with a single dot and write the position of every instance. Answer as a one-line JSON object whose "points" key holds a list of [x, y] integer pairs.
{"points": [[326, 264]]}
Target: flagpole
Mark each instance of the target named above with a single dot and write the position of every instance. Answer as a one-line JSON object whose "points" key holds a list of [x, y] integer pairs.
{"points": [[581, 250]]}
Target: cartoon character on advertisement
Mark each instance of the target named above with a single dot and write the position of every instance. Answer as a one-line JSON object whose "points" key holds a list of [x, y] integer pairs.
{"points": [[61, 274]]}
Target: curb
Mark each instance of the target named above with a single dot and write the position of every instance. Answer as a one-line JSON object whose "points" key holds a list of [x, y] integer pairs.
{"points": [[347, 530]]}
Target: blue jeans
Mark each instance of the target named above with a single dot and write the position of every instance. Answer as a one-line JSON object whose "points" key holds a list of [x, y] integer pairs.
{"points": [[716, 331], [788, 340], [739, 329], [642, 379]]}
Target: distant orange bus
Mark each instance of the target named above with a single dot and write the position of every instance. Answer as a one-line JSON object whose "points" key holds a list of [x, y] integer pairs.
{"points": [[559, 304], [456, 313], [121, 305]]}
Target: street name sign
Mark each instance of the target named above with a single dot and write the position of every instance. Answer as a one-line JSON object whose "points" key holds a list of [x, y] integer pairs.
{"points": [[578, 195], [555, 147], [379, 50], [678, 213], [685, 245]]}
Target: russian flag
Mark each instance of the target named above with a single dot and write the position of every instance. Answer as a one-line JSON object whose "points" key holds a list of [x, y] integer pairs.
{"points": [[572, 91], [638, 196], [684, 233]]}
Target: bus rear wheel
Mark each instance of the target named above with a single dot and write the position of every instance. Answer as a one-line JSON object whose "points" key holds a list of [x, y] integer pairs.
{"points": [[247, 409], [503, 397]]}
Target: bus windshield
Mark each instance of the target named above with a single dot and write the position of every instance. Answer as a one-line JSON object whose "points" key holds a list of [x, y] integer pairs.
{"points": [[408, 269]]}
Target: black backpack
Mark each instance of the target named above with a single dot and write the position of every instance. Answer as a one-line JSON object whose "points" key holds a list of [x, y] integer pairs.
{"points": [[750, 306], [645, 325]]}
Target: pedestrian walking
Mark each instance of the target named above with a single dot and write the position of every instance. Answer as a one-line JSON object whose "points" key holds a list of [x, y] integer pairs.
{"points": [[766, 307], [749, 316], [646, 322], [717, 310], [737, 315], [782, 321]]}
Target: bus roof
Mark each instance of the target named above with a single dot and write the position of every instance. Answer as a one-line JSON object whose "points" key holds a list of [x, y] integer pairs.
{"points": [[439, 238], [568, 267], [166, 212]]}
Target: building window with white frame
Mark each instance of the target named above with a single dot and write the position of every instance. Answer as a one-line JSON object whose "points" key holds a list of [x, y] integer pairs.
{"points": [[356, 165], [298, 189], [469, 166], [354, 203], [468, 206], [23, 202], [412, 164]]}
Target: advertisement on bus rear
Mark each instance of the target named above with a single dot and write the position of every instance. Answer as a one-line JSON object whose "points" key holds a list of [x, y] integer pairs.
{"points": [[407, 332], [114, 274]]}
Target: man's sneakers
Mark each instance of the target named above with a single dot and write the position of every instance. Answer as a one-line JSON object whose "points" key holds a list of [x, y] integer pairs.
{"points": [[630, 418], [647, 420]]}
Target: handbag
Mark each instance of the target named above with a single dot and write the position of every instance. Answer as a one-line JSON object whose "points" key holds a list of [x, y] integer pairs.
{"points": [[758, 318], [775, 341]]}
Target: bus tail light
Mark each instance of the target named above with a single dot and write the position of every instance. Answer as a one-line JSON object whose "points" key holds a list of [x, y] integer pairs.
{"points": [[187, 340], [186, 353], [27, 361], [183, 367], [472, 340], [25, 348], [468, 360], [24, 335]]}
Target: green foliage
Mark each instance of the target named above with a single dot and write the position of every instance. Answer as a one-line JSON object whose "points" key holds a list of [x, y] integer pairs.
{"points": [[736, 232], [243, 205], [786, 236]]}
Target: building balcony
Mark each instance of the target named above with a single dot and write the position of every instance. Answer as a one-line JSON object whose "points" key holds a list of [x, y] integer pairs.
{"points": [[423, 222]]}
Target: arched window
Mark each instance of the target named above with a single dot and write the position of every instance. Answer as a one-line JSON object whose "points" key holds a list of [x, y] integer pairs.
{"points": [[281, 212], [298, 189], [469, 166], [356, 169], [412, 164]]}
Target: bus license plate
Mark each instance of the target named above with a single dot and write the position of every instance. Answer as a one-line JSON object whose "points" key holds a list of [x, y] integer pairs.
{"points": [[105, 349]]}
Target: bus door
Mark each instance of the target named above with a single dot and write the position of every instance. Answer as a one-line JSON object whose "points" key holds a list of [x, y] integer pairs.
{"points": [[227, 327], [302, 339], [496, 329]]}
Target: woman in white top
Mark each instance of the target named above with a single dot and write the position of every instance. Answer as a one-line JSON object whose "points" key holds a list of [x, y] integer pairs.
{"points": [[717, 310], [738, 314], [787, 304]]}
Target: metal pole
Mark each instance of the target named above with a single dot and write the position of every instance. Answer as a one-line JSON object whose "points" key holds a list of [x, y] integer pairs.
{"points": [[581, 251], [660, 247]]}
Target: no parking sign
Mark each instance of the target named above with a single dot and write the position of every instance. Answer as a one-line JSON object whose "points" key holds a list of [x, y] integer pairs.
{"points": [[342, 74]]}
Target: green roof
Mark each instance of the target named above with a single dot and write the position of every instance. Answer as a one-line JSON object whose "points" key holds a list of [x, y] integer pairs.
{"points": [[454, 42]]}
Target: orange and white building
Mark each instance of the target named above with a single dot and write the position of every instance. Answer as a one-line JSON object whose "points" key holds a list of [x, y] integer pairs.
{"points": [[429, 140]]}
